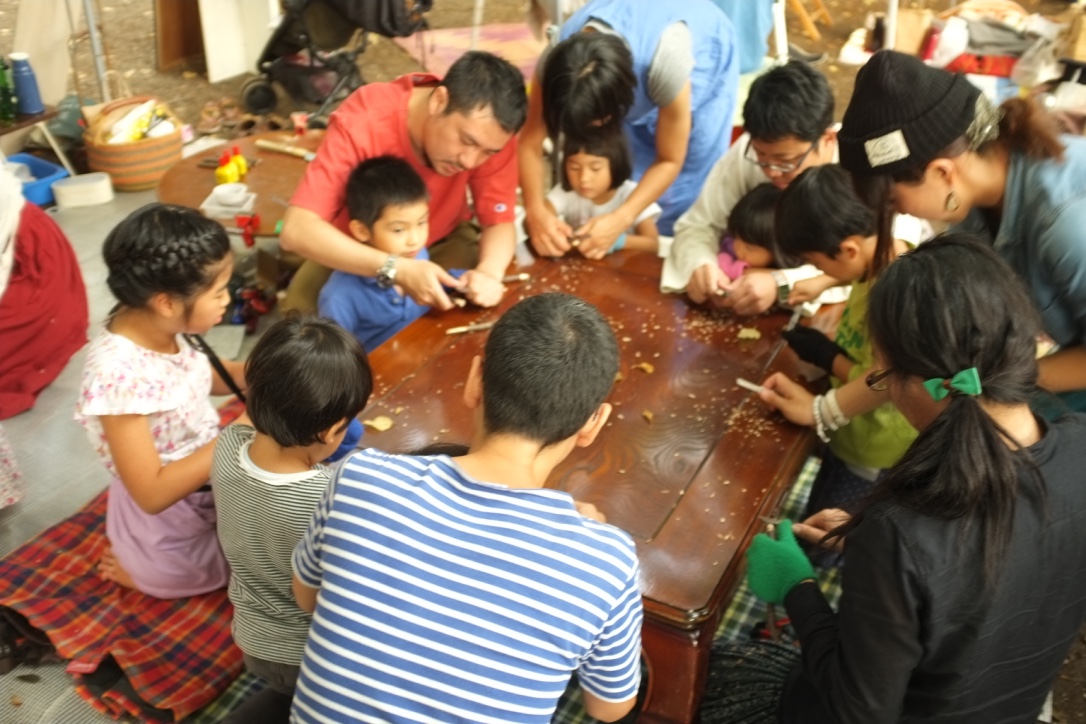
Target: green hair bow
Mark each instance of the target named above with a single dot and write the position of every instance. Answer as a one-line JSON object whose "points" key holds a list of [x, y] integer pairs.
{"points": [[966, 382]]}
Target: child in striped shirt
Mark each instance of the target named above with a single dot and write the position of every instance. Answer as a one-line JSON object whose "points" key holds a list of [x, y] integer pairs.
{"points": [[460, 589], [307, 379]]}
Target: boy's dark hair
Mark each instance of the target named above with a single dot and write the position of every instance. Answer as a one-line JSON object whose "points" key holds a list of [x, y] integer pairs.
{"points": [[793, 99], [950, 305], [548, 364], [611, 145], [819, 210], [483, 80], [588, 82], [753, 218], [380, 182], [305, 375], [161, 248]]}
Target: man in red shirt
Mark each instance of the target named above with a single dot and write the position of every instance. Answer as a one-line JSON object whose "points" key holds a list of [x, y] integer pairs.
{"points": [[458, 134]]}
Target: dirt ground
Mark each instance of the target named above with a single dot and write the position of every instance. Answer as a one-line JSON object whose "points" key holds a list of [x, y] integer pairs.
{"points": [[128, 31]]}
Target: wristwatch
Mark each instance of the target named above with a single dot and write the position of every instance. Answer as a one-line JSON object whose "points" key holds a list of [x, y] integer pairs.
{"points": [[386, 275], [784, 287]]}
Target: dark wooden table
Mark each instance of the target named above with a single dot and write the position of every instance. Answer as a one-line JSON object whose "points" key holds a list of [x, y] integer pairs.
{"points": [[686, 465], [273, 179]]}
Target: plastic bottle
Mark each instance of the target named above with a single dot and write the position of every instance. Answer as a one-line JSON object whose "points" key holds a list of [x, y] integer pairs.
{"points": [[26, 85], [227, 172], [7, 96], [240, 162]]}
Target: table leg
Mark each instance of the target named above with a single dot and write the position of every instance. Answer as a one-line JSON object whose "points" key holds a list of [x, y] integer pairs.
{"points": [[56, 147], [677, 663]]}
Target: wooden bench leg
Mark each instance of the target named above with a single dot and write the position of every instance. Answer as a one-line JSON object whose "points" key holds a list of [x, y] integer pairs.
{"points": [[805, 20], [822, 13]]}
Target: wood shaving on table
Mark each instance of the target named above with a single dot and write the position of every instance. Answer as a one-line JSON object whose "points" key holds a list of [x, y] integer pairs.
{"points": [[380, 423]]}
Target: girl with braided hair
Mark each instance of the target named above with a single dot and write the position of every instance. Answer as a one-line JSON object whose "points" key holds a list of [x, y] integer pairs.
{"points": [[144, 400]]}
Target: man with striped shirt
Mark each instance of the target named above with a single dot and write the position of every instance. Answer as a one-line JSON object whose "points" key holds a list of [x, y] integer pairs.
{"points": [[460, 589]]}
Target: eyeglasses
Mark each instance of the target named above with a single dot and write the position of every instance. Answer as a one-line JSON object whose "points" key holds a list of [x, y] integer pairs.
{"points": [[784, 167], [876, 381]]}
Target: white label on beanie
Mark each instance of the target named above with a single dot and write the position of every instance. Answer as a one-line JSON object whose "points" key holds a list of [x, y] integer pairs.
{"points": [[886, 149]]}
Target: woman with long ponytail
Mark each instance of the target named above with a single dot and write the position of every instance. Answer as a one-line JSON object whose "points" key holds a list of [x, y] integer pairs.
{"points": [[962, 587]]}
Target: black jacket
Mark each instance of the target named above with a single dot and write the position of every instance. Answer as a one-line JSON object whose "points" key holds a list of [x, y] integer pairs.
{"points": [[918, 638]]}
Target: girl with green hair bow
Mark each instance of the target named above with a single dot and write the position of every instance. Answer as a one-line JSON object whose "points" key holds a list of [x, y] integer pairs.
{"points": [[962, 582]]}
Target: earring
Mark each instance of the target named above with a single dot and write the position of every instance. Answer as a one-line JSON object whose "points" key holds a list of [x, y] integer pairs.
{"points": [[952, 201]]}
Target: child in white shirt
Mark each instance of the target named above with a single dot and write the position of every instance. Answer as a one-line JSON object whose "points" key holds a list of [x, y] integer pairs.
{"points": [[596, 181]]}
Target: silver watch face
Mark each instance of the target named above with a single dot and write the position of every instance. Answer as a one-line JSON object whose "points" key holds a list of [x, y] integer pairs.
{"points": [[386, 275]]}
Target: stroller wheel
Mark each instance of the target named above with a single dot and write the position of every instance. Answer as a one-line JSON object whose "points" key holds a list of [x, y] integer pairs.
{"points": [[257, 96]]}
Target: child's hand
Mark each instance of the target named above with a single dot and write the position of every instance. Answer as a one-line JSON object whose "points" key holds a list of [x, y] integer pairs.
{"points": [[599, 234], [805, 290], [550, 236], [424, 280], [815, 528], [752, 293], [808, 290], [708, 283], [482, 289], [790, 398], [589, 511]]}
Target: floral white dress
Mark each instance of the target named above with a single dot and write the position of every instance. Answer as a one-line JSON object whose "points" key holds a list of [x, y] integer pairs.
{"points": [[11, 488], [174, 553]]}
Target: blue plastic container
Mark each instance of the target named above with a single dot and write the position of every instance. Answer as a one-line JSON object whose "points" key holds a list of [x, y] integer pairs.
{"points": [[40, 190]]}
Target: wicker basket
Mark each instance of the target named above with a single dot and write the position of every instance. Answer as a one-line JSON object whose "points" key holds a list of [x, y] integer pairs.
{"points": [[133, 166]]}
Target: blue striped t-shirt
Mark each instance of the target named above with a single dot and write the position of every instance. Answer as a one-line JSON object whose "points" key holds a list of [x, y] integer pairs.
{"points": [[447, 599]]}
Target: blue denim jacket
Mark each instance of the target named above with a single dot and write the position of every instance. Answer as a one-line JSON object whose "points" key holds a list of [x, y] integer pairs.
{"points": [[1043, 236]]}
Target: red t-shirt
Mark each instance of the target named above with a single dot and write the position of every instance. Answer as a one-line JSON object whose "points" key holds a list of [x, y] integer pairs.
{"points": [[373, 122]]}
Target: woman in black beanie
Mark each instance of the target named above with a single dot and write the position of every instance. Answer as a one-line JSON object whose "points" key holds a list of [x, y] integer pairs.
{"points": [[925, 142]]}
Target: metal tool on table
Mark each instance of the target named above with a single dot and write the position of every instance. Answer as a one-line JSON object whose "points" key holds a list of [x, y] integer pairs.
{"points": [[266, 145], [792, 322], [771, 523]]}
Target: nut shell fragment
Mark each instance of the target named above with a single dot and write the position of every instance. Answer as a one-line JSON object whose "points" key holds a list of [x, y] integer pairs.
{"points": [[380, 423]]}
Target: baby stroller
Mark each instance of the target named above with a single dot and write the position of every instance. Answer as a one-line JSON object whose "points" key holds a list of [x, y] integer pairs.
{"points": [[314, 52]]}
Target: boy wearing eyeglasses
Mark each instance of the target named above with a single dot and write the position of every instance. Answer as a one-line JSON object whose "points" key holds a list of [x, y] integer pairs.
{"points": [[788, 117], [821, 221]]}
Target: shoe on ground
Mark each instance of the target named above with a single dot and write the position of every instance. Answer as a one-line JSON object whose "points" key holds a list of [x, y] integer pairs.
{"points": [[797, 53]]}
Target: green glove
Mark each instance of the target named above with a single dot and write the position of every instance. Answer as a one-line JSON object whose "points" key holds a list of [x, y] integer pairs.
{"points": [[774, 567]]}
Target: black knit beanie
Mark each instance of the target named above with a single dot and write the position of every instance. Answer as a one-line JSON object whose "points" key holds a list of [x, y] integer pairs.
{"points": [[902, 114]]}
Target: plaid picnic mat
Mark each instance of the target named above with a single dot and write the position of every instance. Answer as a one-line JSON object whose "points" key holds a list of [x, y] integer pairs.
{"points": [[157, 645], [130, 653]]}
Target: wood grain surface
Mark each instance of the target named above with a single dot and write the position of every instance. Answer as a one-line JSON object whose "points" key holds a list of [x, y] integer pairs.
{"points": [[686, 465]]}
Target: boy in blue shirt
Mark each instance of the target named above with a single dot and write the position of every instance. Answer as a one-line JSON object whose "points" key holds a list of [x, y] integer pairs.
{"points": [[389, 208]]}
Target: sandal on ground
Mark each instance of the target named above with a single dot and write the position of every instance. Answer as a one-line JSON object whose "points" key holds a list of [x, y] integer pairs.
{"points": [[275, 122], [210, 119], [248, 125], [231, 112]]}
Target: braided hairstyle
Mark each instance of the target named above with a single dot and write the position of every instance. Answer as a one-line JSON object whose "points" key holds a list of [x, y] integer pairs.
{"points": [[163, 249]]}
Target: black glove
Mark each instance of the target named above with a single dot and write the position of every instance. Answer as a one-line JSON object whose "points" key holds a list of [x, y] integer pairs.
{"points": [[814, 347]]}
